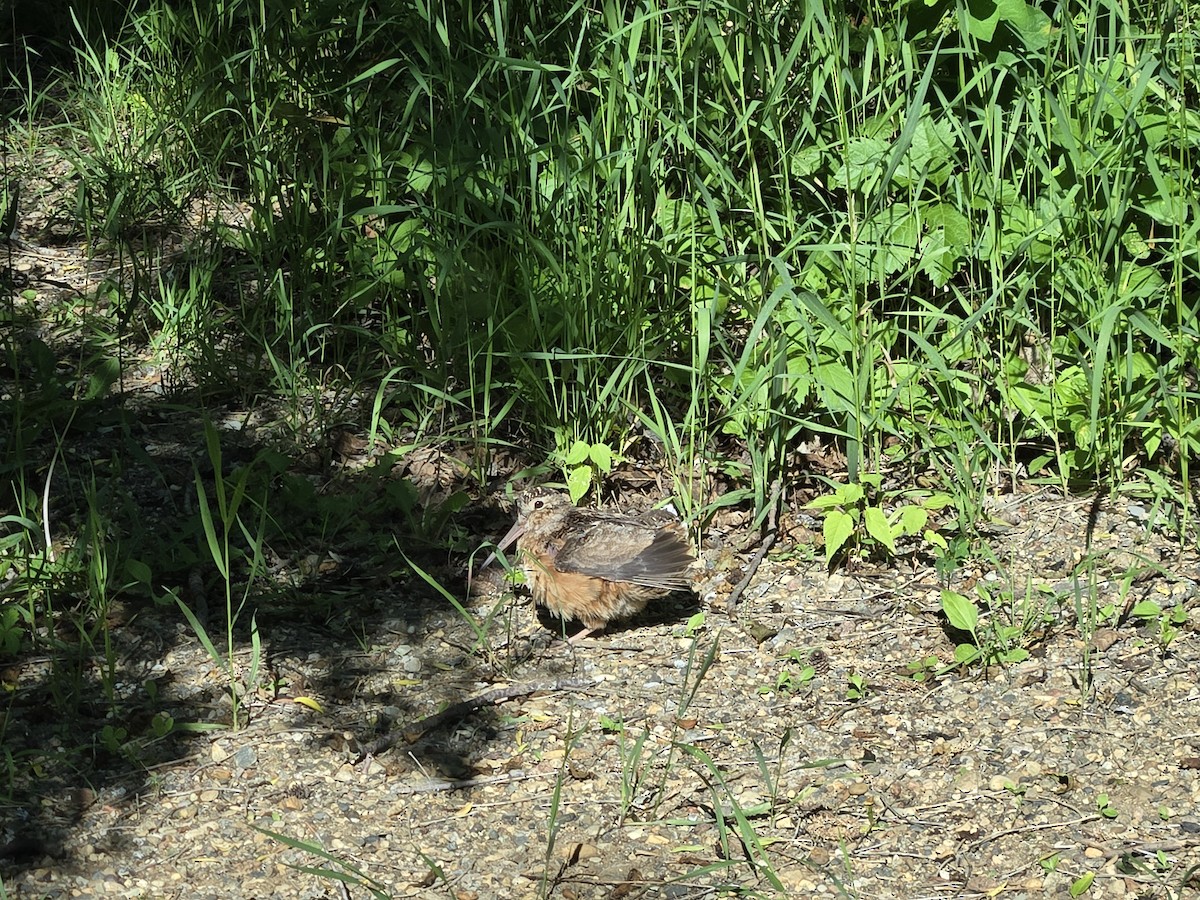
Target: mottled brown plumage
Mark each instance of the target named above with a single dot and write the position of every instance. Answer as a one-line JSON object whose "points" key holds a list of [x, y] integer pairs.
{"points": [[595, 566]]}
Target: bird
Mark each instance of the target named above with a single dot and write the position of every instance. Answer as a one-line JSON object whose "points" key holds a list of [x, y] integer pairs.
{"points": [[595, 566]]}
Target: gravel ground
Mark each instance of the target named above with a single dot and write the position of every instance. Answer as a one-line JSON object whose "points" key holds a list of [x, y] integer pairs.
{"points": [[671, 757]]}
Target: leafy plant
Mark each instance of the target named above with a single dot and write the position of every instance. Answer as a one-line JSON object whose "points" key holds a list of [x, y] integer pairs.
{"points": [[855, 517], [856, 687], [993, 642], [582, 462], [924, 669], [796, 674], [10, 630], [695, 625], [1169, 623], [1104, 805]]}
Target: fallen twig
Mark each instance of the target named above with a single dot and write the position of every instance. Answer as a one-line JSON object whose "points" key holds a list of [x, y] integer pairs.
{"points": [[768, 542]]}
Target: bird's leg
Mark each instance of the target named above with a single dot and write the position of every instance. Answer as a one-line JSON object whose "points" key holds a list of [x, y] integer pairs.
{"points": [[582, 633]]}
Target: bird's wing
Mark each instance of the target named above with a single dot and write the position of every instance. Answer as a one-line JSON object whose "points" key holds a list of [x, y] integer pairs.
{"points": [[654, 555]]}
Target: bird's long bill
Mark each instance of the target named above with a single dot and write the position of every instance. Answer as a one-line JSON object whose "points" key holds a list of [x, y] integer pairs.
{"points": [[513, 533]]}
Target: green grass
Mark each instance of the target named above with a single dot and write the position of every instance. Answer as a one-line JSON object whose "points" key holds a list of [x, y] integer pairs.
{"points": [[936, 241]]}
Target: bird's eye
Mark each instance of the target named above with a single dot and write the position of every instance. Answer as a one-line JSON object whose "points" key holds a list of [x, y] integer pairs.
{"points": [[538, 504]]}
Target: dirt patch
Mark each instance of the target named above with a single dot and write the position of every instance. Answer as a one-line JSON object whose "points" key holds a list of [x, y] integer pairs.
{"points": [[662, 760]]}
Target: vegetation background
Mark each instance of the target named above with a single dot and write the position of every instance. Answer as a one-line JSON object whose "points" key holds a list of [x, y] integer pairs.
{"points": [[943, 247], [949, 238]]}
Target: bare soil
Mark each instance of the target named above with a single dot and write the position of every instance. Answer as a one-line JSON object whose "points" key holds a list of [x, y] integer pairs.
{"points": [[657, 760]]}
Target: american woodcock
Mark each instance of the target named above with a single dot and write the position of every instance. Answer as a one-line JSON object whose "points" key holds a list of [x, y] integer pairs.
{"points": [[596, 566]]}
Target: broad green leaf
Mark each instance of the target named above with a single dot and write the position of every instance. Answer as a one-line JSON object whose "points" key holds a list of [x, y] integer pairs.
{"points": [[1146, 609], [1081, 884], [932, 537], [1084, 435], [887, 242], [843, 495], [579, 452], [836, 385], [838, 529], [850, 493], [913, 519], [601, 455], [946, 242], [138, 571], [931, 155], [1031, 25], [806, 161], [966, 653], [939, 260], [878, 527], [982, 20], [863, 163], [579, 479], [962, 613]]}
